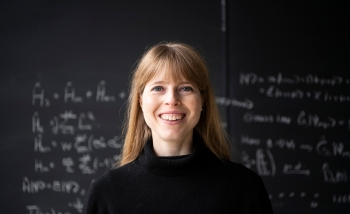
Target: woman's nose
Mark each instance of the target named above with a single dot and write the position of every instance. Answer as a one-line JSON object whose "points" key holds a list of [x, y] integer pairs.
{"points": [[172, 98]]}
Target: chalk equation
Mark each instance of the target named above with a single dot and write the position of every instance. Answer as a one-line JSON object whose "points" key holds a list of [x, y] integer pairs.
{"points": [[262, 161], [283, 198], [322, 146], [69, 142], [69, 95], [316, 95], [296, 87], [68, 138], [225, 101], [304, 119], [251, 78], [35, 209], [35, 186], [295, 135]]}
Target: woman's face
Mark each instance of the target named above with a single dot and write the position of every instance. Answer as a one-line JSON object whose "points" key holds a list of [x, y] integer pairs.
{"points": [[171, 108]]}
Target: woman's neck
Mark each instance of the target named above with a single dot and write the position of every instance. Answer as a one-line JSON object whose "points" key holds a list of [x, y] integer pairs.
{"points": [[178, 147]]}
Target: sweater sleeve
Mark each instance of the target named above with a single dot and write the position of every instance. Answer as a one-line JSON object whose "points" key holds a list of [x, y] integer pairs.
{"points": [[257, 198], [91, 204], [264, 204], [96, 199]]}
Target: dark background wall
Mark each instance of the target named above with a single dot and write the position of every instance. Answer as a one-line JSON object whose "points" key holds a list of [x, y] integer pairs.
{"points": [[65, 68], [279, 71], [291, 61]]}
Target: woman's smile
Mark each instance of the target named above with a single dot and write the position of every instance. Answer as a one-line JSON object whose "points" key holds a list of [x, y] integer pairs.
{"points": [[172, 117]]}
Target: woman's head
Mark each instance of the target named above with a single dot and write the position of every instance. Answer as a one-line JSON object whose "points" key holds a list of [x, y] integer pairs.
{"points": [[175, 61]]}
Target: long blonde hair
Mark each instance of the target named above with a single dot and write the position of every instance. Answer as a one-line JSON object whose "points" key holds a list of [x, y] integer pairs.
{"points": [[179, 60]]}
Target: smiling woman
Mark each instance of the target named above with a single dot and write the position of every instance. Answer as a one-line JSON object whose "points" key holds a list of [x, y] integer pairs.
{"points": [[171, 110], [166, 67], [175, 158]]}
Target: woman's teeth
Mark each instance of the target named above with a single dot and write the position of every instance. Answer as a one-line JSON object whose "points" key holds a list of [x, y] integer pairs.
{"points": [[171, 117]]}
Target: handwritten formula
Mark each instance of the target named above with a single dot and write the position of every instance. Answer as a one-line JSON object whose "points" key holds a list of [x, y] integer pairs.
{"points": [[294, 131], [70, 144], [302, 148]]}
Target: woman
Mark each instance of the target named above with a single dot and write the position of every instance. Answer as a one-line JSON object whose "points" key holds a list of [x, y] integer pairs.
{"points": [[175, 158]]}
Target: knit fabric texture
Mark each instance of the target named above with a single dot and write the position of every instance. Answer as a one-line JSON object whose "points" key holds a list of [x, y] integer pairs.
{"points": [[195, 183]]}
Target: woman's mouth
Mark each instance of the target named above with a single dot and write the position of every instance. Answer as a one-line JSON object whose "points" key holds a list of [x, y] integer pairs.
{"points": [[172, 117]]}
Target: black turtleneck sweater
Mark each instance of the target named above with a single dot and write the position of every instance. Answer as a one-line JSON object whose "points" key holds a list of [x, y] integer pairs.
{"points": [[197, 183]]}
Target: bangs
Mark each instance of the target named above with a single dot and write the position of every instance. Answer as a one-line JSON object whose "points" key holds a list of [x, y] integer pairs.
{"points": [[172, 70], [173, 64]]}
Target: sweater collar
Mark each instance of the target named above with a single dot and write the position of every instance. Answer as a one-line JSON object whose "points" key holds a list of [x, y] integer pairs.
{"points": [[174, 166]]}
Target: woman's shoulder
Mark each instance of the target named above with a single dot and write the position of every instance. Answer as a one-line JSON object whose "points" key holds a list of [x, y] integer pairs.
{"points": [[107, 189], [231, 168], [249, 186], [116, 175], [237, 170]]}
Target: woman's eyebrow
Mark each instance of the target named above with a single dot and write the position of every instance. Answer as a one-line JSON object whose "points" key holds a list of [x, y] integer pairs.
{"points": [[157, 82], [185, 82], [162, 82]]}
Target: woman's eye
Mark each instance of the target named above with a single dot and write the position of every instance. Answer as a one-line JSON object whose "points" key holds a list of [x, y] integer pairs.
{"points": [[187, 88], [157, 88]]}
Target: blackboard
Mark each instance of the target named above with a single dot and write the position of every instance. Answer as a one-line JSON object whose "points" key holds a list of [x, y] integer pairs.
{"points": [[280, 72], [65, 68], [289, 100]]}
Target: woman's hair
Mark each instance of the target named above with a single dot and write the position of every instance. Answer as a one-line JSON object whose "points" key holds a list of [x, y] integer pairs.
{"points": [[178, 60]]}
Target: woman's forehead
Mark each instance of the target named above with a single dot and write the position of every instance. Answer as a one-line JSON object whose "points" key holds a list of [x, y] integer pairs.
{"points": [[165, 75]]}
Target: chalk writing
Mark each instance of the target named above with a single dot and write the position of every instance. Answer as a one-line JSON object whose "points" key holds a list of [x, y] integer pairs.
{"points": [[263, 162], [101, 94], [40, 167], [333, 177], [251, 117], [335, 149], [34, 209], [35, 186], [294, 134], [310, 198], [77, 204], [292, 79], [68, 142], [68, 137], [224, 101], [341, 199], [295, 169]]}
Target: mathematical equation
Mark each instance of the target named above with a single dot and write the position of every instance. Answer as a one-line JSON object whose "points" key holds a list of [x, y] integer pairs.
{"points": [[303, 119], [250, 78], [283, 197], [69, 94], [302, 141], [67, 141], [264, 160], [273, 91]]}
